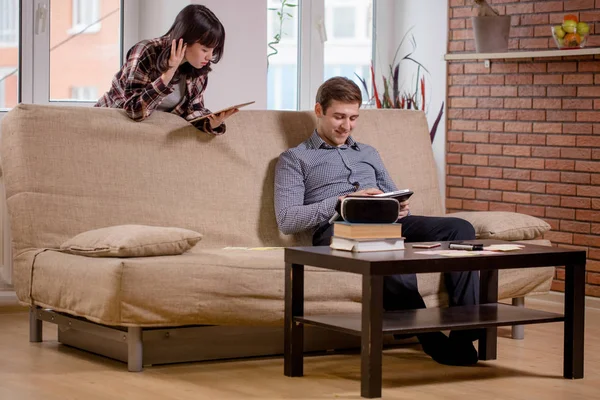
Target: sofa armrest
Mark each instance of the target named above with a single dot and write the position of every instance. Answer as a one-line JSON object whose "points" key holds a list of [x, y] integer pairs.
{"points": [[503, 225]]}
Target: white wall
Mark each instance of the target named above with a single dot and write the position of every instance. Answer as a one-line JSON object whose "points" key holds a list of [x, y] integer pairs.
{"points": [[430, 21], [241, 75]]}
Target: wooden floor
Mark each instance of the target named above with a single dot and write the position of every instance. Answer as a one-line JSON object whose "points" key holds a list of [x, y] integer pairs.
{"points": [[527, 369]]}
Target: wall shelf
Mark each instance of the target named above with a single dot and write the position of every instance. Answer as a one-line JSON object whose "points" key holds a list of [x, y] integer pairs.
{"points": [[522, 54]]}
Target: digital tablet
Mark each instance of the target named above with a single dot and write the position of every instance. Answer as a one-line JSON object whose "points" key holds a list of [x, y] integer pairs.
{"points": [[400, 195], [223, 110]]}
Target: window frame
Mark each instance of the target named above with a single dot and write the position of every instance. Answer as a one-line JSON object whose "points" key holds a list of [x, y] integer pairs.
{"points": [[77, 27]]}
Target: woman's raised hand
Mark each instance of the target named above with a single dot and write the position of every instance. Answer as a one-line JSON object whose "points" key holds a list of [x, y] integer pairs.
{"points": [[175, 60]]}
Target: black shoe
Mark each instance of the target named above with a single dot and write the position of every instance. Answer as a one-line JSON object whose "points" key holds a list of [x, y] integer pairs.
{"points": [[447, 351]]}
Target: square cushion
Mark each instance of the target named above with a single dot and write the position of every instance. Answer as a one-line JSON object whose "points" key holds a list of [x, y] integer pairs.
{"points": [[132, 241], [503, 225]]}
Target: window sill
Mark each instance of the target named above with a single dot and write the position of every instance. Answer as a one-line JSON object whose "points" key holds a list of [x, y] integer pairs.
{"points": [[522, 54], [83, 29]]}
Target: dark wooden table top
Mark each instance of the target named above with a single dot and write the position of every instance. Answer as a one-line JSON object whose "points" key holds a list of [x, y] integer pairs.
{"points": [[410, 261]]}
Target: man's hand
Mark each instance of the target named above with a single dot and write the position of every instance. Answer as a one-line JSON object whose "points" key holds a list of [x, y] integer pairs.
{"points": [[175, 59], [217, 119], [364, 192], [404, 207]]}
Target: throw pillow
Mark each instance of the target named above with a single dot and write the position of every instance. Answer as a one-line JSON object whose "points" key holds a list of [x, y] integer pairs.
{"points": [[132, 241], [503, 225]]}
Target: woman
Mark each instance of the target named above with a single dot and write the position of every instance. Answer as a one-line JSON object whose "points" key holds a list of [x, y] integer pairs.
{"points": [[170, 73]]}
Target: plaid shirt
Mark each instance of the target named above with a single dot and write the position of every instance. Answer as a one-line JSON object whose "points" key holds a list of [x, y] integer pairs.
{"points": [[138, 88]]}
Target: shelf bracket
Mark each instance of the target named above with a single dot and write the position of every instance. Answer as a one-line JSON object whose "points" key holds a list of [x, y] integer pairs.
{"points": [[486, 63]]}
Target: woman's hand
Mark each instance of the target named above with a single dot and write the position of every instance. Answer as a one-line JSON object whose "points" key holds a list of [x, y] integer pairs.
{"points": [[217, 119], [175, 59]]}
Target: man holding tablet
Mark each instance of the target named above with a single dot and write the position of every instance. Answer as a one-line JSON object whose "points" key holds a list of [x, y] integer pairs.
{"points": [[329, 165]]}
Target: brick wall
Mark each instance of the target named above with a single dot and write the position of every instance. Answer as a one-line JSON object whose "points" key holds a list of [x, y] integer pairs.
{"points": [[524, 135]]}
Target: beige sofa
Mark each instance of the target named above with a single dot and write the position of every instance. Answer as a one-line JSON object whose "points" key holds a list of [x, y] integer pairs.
{"points": [[70, 169]]}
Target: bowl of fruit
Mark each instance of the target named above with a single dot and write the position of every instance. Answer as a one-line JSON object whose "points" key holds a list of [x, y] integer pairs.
{"points": [[571, 34]]}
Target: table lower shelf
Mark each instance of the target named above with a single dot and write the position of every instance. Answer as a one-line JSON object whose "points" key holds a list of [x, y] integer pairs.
{"points": [[437, 319]]}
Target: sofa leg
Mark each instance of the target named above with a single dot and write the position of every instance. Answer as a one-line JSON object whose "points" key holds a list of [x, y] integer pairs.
{"points": [[35, 325], [134, 349], [518, 331]]}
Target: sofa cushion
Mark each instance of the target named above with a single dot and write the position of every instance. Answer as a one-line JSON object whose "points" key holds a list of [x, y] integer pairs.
{"points": [[132, 241], [503, 225]]}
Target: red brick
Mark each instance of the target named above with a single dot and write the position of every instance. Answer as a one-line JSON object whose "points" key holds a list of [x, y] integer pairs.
{"points": [[504, 138], [519, 103], [514, 197], [592, 290], [535, 187], [548, 6], [562, 91], [588, 91], [572, 226], [565, 116], [503, 91], [531, 163], [455, 69], [476, 114], [578, 79], [462, 193], [523, 151], [557, 286], [503, 184], [454, 203], [504, 68], [456, 3], [578, 4], [548, 80], [588, 141], [536, 91], [462, 34], [463, 170], [563, 189], [489, 195], [578, 153], [519, 174], [464, 79], [474, 91], [463, 125], [588, 191], [596, 181], [478, 183], [469, 159], [536, 211], [489, 149], [586, 215], [578, 104], [490, 80], [588, 116], [593, 278], [578, 128], [501, 161], [521, 31], [519, 9], [561, 165], [456, 23], [476, 68], [518, 127], [586, 240], [473, 205], [489, 172], [545, 200], [531, 115], [562, 67], [456, 91], [531, 139], [562, 213], [461, 12], [575, 202], [547, 103], [560, 140], [546, 127], [454, 136], [545, 176], [503, 115], [589, 66], [596, 104], [587, 166], [597, 79], [490, 102], [503, 207], [559, 237], [574, 177], [534, 19], [532, 68], [596, 155], [490, 125], [455, 113], [595, 229], [545, 152], [454, 181], [461, 148], [453, 159], [476, 137], [518, 79]]}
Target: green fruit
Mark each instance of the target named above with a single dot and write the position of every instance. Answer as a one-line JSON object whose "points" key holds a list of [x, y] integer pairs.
{"points": [[559, 32], [583, 28], [569, 26], [561, 43]]}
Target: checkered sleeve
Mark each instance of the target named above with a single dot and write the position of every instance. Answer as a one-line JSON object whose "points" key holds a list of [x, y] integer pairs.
{"points": [[197, 109], [290, 211]]}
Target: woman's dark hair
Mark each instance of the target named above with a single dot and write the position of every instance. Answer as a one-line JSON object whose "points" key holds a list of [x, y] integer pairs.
{"points": [[338, 88], [194, 24]]}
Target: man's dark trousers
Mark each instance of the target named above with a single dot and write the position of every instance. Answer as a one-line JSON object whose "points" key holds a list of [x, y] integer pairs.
{"points": [[400, 292]]}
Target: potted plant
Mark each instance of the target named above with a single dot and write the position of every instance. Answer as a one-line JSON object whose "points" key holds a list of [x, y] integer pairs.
{"points": [[490, 29]]}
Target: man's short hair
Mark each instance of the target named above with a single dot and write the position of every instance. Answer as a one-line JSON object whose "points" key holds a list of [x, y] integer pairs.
{"points": [[338, 88]]}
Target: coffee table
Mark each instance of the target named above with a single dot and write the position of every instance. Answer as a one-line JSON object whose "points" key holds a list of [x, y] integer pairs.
{"points": [[373, 322]]}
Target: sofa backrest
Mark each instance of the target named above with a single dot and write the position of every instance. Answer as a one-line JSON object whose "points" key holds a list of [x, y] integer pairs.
{"points": [[71, 169]]}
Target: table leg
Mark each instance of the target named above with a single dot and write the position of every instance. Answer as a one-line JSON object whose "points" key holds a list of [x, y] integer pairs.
{"points": [[293, 332], [488, 293], [371, 336], [574, 321]]}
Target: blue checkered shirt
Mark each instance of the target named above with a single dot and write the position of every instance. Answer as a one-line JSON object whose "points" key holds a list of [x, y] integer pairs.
{"points": [[309, 179]]}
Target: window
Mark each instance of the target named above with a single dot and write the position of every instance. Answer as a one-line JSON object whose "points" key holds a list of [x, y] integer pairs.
{"points": [[9, 23], [84, 93], [344, 22], [86, 14]]}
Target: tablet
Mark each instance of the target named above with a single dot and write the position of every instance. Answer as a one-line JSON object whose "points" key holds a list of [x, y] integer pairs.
{"points": [[400, 195], [223, 110]]}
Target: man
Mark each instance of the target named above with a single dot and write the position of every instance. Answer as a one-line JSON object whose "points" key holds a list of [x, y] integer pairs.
{"points": [[312, 177]]}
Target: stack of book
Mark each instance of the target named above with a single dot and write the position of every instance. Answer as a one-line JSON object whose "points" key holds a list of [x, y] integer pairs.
{"points": [[366, 237]]}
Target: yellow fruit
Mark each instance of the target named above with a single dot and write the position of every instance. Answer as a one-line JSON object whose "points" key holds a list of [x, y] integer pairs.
{"points": [[569, 26], [583, 28], [559, 32]]}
